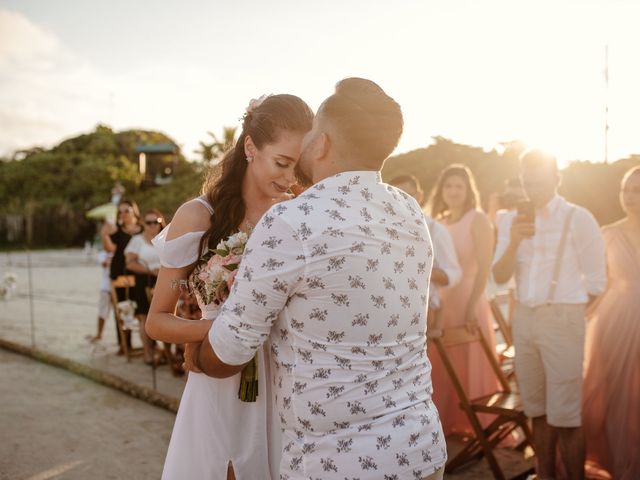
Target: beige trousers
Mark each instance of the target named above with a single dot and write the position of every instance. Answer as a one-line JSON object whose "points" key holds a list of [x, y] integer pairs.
{"points": [[549, 347]]}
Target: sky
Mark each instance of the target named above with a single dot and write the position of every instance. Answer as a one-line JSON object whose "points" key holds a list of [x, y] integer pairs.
{"points": [[479, 73]]}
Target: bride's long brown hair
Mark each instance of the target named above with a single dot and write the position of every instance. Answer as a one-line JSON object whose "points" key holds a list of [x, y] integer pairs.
{"points": [[223, 187]]}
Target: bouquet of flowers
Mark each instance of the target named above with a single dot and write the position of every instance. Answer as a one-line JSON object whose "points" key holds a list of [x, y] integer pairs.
{"points": [[212, 284], [214, 279], [127, 311]]}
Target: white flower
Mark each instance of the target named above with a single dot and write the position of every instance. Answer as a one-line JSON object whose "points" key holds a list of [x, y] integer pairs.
{"points": [[216, 275], [255, 103], [237, 240], [221, 246]]}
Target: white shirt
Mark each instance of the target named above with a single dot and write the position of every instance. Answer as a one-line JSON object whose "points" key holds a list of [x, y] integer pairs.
{"points": [[338, 278], [444, 258], [147, 253], [582, 270], [105, 284]]}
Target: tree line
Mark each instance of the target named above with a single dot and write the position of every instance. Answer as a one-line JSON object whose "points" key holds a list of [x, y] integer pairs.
{"points": [[49, 191]]}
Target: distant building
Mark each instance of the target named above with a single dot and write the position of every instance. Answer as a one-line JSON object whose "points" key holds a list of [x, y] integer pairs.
{"points": [[157, 162]]}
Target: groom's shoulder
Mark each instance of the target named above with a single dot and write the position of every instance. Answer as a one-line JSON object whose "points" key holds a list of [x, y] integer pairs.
{"points": [[282, 212], [404, 201], [296, 213], [399, 195]]}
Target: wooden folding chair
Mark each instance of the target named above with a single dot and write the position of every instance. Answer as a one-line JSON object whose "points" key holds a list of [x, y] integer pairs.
{"points": [[504, 324], [506, 352], [127, 282], [504, 405]]}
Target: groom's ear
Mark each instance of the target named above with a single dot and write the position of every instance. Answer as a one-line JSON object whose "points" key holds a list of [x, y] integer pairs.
{"points": [[323, 145]]}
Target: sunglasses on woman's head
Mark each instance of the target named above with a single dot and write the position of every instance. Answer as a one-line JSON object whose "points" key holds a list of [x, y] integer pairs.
{"points": [[157, 221], [125, 210]]}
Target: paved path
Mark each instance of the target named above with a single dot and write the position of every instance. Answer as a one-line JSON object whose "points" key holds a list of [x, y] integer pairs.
{"points": [[55, 424]]}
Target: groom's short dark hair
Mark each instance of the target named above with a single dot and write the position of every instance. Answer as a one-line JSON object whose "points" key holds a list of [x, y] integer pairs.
{"points": [[368, 121]]}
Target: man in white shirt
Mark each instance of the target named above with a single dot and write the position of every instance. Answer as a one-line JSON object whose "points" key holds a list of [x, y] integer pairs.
{"points": [[338, 280], [559, 267], [446, 269]]}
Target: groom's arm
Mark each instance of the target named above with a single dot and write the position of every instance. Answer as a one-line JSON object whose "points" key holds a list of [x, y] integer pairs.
{"points": [[269, 274], [208, 362]]}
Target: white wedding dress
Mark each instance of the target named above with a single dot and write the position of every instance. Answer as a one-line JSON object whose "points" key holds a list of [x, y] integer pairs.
{"points": [[213, 426]]}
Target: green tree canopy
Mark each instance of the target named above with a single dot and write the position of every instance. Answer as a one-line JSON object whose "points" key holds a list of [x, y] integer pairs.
{"points": [[60, 184]]}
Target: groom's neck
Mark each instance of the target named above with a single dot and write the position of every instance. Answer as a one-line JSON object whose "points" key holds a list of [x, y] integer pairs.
{"points": [[334, 165]]}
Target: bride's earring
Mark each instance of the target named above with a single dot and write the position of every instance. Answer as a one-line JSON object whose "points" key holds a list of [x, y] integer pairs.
{"points": [[249, 159]]}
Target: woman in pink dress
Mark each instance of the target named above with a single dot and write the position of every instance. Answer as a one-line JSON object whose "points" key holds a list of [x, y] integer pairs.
{"points": [[611, 407], [455, 204]]}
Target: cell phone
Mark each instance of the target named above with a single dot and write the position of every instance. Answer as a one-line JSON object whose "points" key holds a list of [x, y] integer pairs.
{"points": [[527, 211]]}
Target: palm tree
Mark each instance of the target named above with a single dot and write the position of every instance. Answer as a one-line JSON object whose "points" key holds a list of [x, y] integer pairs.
{"points": [[212, 152]]}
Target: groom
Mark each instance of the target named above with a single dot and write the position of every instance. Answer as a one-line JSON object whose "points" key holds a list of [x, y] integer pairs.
{"points": [[337, 278]]}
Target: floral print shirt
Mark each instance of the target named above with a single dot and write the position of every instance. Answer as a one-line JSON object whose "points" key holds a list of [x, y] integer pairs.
{"points": [[337, 280]]}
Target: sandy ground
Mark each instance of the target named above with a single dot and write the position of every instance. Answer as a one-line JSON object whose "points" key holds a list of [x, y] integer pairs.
{"points": [[55, 424], [65, 289]]}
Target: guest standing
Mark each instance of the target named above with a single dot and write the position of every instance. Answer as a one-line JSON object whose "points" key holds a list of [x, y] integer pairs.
{"points": [[446, 270], [455, 203], [557, 258], [104, 300], [611, 405], [144, 261], [114, 240]]}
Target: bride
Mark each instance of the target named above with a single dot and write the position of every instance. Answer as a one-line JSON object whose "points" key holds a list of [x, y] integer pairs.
{"points": [[216, 435]]}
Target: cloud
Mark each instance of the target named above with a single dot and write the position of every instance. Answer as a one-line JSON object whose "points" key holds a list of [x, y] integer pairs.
{"points": [[22, 42], [45, 91], [478, 75]]}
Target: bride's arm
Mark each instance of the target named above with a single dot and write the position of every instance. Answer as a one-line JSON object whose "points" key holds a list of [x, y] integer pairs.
{"points": [[162, 323]]}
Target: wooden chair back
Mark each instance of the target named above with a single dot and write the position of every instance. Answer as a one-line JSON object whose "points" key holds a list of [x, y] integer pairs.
{"points": [[504, 405], [126, 282], [503, 323], [452, 337]]}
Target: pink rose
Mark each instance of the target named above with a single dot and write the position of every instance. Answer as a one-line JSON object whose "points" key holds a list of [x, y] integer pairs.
{"points": [[216, 261], [231, 259]]}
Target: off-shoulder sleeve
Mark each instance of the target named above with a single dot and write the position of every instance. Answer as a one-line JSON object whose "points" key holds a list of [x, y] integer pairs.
{"points": [[178, 252]]}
